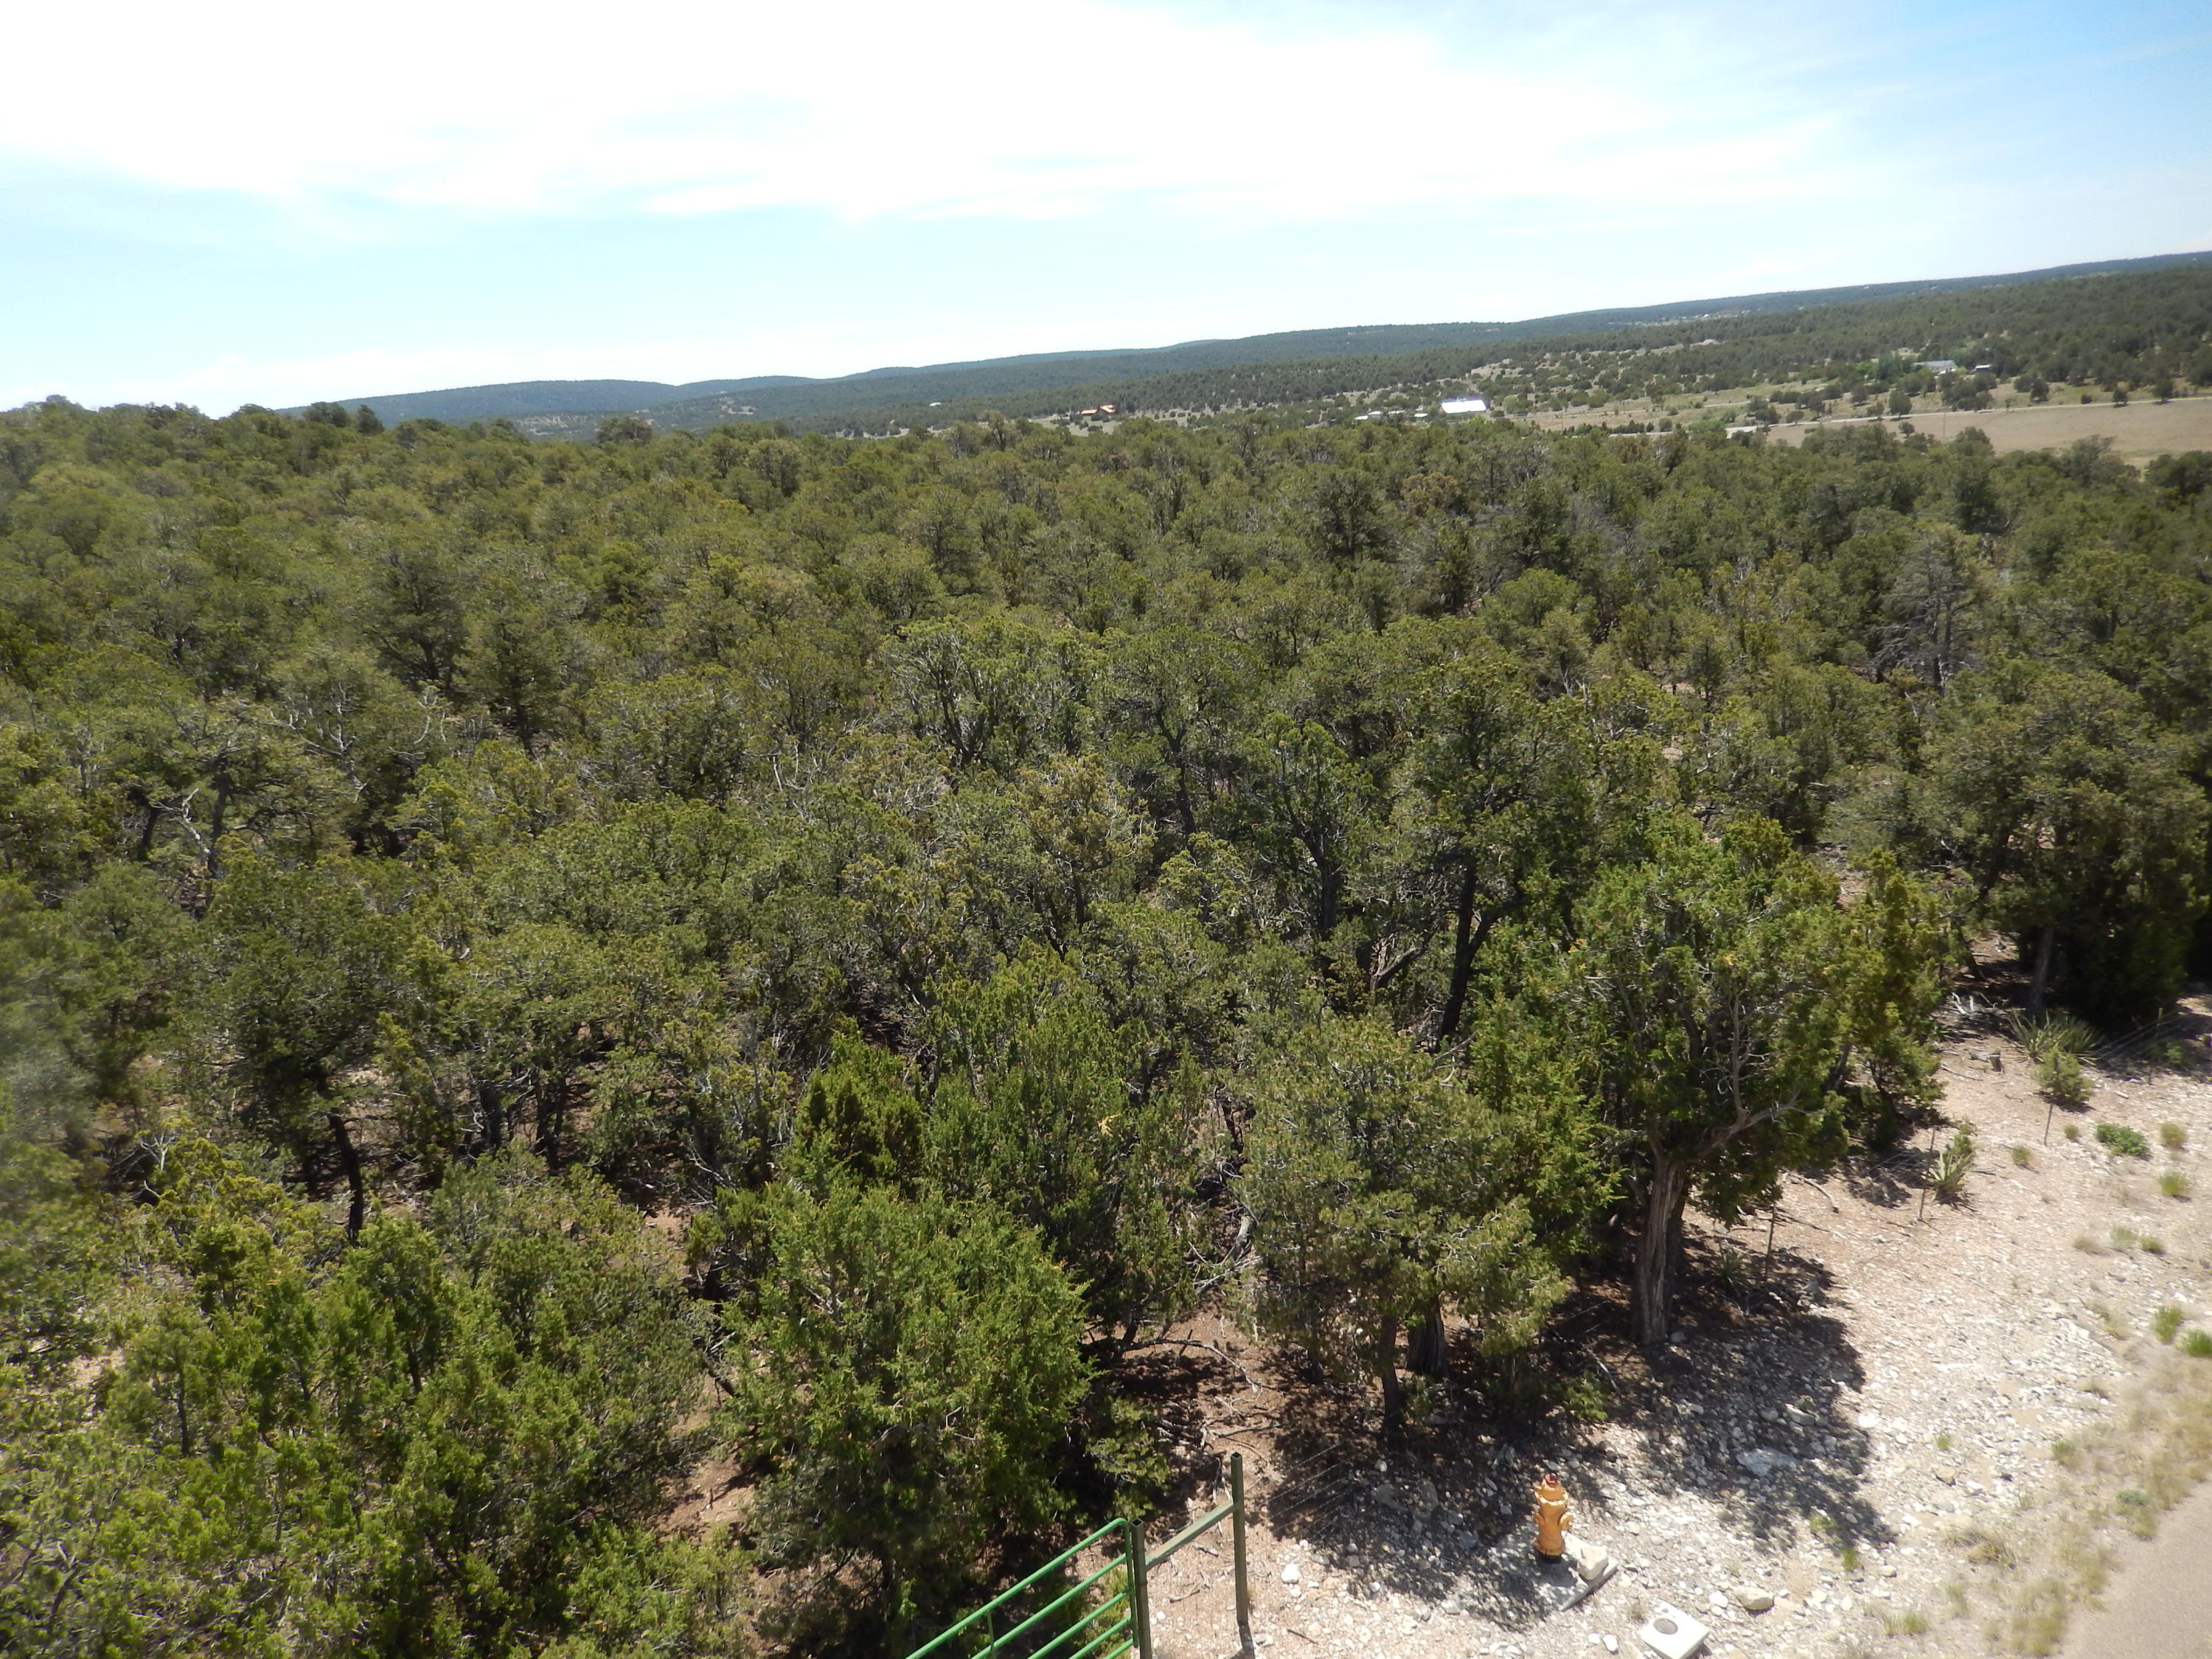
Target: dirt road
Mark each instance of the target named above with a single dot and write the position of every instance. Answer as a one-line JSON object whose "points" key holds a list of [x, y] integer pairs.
{"points": [[2159, 1605]]}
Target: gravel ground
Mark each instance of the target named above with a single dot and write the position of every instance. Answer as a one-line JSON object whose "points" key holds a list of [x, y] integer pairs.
{"points": [[1844, 1428]]}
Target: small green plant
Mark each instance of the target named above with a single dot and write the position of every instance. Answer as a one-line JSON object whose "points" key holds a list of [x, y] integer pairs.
{"points": [[1904, 1621], [1849, 1558], [2171, 1054], [2115, 1321], [2022, 1158], [2066, 1454], [2125, 1238], [2165, 1323], [1954, 1592], [2173, 1184], [1955, 1164], [2151, 1244], [2122, 1141], [2172, 1137], [2062, 1081], [2197, 1345], [1943, 1441], [2073, 1131], [1585, 1397]]}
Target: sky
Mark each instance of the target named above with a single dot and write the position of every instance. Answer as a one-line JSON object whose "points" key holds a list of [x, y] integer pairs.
{"points": [[250, 201]]}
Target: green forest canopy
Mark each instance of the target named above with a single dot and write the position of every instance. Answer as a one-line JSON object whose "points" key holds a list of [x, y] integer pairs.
{"points": [[499, 938]]}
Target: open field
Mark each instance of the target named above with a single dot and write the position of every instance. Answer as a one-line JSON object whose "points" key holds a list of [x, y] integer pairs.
{"points": [[2139, 431], [1925, 1429]]}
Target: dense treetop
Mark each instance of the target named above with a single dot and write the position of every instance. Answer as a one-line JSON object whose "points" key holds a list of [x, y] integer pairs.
{"points": [[524, 965]]}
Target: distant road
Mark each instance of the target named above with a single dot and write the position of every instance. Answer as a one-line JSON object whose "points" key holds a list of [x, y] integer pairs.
{"points": [[2139, 431], [2160, 1602]]}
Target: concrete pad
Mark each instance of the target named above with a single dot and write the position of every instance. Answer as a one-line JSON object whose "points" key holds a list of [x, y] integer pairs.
{"points": [[1672, 1633]]}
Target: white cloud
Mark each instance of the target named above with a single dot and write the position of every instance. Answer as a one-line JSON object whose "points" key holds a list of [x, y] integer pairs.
{"points": [[883, 108]]}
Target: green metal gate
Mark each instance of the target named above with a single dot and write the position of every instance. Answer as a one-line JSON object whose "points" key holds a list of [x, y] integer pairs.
{"points": [[1104, 1614]]}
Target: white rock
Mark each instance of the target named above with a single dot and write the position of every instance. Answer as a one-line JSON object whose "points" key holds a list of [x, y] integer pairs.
{"points": [[1611, 1644], [1752, 1598], [1289, 1572]]}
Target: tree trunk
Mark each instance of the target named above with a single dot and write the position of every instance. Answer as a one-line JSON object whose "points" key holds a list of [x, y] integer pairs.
{"points": [[356, 1188], [1426, 1350], [2040, 986], [1655, 1247], [1386, 1369], [1463, 948]]}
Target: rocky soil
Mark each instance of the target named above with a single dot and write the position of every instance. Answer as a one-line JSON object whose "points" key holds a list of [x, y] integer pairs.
{"points": [[1848, 1448]]}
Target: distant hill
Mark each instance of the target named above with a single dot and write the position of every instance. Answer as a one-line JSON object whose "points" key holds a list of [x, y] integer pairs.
{"points": [[876, 397]]}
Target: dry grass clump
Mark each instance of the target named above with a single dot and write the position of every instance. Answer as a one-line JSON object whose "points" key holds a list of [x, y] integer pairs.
{"points": [[1904, 1621]]}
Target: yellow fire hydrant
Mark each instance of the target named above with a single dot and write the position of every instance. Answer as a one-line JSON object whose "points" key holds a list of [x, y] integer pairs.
{"points": [[1551, 1518]]}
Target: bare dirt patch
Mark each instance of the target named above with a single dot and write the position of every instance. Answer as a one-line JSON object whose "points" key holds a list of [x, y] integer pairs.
{"points": [[1861, 1426]]}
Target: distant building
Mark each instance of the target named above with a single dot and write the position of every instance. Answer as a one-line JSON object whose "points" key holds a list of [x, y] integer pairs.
{"points": [[1940, 364], [1469, 404]]}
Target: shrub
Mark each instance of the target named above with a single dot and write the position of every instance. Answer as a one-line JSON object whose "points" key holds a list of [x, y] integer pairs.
{"points": [[2125, 1238], [1955, 1164], [1904, 1621], [2022, 1158], [2165, 1323], [2197, 1345], [2047, 1035], [2150, 1245], [2073, 1131], [2173, 1184], [2122, 1141], [2172, 1137], [2062, 1081]]}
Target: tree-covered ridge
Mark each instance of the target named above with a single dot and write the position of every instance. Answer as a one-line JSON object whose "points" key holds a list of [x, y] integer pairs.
{"points": [[527, 965], [2141, 331], [1769, 331]]}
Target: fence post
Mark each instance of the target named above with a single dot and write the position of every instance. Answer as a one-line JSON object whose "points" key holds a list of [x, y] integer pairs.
{"points": [[1140, 1605], [1236, 1546]]}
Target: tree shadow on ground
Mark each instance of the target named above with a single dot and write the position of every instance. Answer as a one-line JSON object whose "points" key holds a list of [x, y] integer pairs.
{"points": [[1748, 1412]]}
